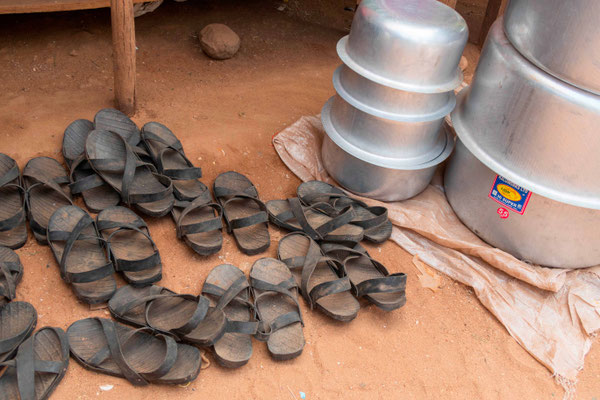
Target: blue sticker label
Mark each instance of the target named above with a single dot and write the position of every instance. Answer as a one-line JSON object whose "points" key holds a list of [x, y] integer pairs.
{"points": [[511, 196]]}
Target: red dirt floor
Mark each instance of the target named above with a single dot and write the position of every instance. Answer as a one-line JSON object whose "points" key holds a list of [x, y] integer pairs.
{"points": [[58, 67]]}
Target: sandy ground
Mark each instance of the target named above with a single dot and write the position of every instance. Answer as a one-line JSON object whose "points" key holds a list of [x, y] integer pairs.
{"points": [[57, 68]]}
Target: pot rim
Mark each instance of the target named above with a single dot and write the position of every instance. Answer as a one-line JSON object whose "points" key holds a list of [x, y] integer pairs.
{"points": [[471, 144], [380, 161], [339, 88], [410, 87]]}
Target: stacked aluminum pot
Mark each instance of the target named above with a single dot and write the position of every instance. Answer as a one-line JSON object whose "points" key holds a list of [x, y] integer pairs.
{"points": [[385, 134], [525, 175]]}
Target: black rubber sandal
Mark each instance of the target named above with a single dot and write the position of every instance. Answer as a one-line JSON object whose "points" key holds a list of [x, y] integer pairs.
{"points": [[198, 223], [130, 245], [290, 214], [97, 194], [331, 200], [369, 277], [138, 183], [81, 256], [11, 272], [245, 215], [17, 322], [187, 317], [40, 364], [169, 158], [277, 308], [228, 289], [104, 346], [46, 190], [320, 278], [13, 232]]}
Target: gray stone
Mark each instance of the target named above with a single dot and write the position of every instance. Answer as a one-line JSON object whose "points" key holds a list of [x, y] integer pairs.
{"points": [[218, 41]]}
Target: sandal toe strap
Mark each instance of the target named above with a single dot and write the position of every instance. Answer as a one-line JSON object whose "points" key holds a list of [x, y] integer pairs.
{"points": [[254, 219], [264, 330], [328, 288], [394, 283], [27, 366], [211, 224], [245, 327], [9, 289], [380, 216]]}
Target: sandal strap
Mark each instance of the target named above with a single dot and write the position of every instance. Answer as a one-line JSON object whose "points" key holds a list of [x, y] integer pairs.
{"points": [[109, 329], [127, 167], [188, 173], [308, 263], [91, 181], [27, 366], [283, 320], [245, 327], [328, 288], [122, 264], [392, 283], [208, 225], [254, 219], [322, 230], [222, 191], [226, 296], [209, 288], [70, 238], [379, 218], [9, 289]]}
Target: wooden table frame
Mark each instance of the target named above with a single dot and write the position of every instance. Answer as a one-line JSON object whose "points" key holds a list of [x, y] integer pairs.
{"points": [[123, 37]]}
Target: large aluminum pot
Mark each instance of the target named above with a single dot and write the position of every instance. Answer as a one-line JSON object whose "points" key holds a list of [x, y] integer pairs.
{"points": [[377, 177], [378, 133], [523, 123], [412, 45], [527, 225], [560, 36], [407, 105]]}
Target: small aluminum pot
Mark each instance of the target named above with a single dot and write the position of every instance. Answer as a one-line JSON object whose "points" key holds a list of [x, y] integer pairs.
{"points": [[529, 126], [373, 176], [407, 105], [547, 232], [561, 37], [412, 45], [369, 130]]}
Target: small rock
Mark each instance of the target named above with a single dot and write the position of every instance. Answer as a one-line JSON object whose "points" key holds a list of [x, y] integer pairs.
{"points": [[73, 53], [106, 388], [219, 41]]}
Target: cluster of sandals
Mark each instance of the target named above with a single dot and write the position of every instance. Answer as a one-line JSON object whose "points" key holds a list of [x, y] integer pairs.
{"points": [[111, 161]]}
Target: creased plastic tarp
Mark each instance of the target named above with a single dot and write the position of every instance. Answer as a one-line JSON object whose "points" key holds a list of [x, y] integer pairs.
{"points": [[552, 313]]}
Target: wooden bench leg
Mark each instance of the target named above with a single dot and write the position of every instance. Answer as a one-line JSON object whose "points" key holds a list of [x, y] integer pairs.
{"points": [[123, 36]]}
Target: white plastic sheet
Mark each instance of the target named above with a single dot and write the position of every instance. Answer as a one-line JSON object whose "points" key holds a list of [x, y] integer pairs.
{"points": [[552, 313]]}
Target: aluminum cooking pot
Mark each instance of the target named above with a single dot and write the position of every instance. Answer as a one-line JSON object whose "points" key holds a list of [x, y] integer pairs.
{"points": [[560, 36], [531, 127], [373, 176], [527, 225], [407, 105], [379, 134], [412, 45]]}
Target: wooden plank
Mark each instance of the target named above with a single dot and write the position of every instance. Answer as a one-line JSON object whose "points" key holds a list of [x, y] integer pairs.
{"points": [[123, 36], [33, 6]]}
